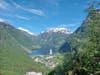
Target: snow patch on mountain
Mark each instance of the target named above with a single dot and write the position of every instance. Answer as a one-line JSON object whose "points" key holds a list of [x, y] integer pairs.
{"points": [[62, 30], [1, 20], [25, 30]]}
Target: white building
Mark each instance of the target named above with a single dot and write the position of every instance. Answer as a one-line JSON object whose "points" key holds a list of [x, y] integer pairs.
{"points": [[36, 59], [33, 73], [51, 52]]}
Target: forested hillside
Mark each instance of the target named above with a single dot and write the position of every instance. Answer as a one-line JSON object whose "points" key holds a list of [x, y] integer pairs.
{"points": [[84, 55]]}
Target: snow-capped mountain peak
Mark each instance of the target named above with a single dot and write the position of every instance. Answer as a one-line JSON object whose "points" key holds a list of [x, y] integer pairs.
{"points": [[62, 30]]}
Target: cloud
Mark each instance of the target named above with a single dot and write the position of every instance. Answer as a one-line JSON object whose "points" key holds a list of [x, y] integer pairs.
{"points": [[30, 10], [2, 20], [3, 4], [6, 5], [50, 2], [12, 7], [69, 25], [22, 17], [35, 11], [22, 29], [76, 4], [53, 2]]}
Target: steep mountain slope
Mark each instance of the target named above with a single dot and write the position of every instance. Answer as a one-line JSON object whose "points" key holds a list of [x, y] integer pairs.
{"points": [[84, 58], [81, 35], [46, 40], [13, 57], [53, 38]]}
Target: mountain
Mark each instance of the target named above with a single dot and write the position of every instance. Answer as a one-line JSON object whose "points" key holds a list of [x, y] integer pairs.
{"points": [[48, 39], [53, 38], [80, 35], [84, 43], [58, 30], [25, 30], [14, 46]]}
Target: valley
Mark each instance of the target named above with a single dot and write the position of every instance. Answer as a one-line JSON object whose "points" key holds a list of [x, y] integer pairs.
{"points": [[54, 51]]}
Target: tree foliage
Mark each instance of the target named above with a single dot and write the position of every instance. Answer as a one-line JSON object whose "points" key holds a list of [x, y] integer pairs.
{"points": [[85, 58]]}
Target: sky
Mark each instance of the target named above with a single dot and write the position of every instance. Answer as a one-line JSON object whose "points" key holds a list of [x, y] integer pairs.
{"points": [[39, 15]]}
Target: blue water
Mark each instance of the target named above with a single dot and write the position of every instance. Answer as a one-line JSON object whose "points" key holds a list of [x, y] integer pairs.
{"points": [[41, 52]]}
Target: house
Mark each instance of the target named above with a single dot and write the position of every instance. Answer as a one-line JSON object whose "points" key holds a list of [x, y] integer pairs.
{"points": [[33, 73]]}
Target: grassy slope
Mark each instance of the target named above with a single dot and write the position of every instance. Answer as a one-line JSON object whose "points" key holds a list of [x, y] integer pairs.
{"points": [[13, 58]]}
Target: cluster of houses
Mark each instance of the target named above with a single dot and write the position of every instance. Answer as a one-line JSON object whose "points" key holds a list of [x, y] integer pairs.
{"points": [[47, 60]]}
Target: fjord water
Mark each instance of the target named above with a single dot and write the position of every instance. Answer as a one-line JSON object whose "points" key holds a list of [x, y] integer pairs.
{"points": [[39, 52]]}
